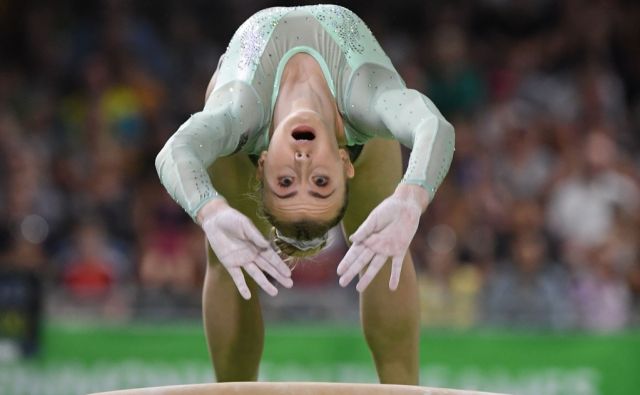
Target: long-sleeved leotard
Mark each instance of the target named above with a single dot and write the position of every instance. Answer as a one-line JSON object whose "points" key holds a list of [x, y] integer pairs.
{"points": [[369, 92]]}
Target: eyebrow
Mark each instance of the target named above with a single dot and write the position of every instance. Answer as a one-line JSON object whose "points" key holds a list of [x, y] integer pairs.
{"points": [[316, 194], [312, 193], [286, 196]]}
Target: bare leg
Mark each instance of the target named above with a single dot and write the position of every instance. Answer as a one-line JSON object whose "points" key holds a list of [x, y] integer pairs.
{"points": [[390, 320], [233, 326], [391, 324]]}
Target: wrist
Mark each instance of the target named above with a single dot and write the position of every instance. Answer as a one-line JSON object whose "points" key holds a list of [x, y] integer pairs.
{"points": [[414, 193], [210, 208]]}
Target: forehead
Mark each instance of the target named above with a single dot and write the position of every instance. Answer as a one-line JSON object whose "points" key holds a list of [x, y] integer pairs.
{"points": [[302, 206]]}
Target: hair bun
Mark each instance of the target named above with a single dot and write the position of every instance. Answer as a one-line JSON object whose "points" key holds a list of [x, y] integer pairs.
{"points": [[303, 245], [289, 248]]}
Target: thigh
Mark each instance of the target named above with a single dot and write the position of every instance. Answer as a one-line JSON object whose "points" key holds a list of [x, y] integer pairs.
{"points": [[378, 170], [234, 177]]}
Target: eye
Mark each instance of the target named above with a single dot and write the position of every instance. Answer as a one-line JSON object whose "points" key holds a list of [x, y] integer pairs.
{"points": [[321, 181], [285, 181]]}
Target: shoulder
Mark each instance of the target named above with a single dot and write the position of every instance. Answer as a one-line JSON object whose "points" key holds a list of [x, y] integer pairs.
{"points": [[242, 110], [363, 88]]}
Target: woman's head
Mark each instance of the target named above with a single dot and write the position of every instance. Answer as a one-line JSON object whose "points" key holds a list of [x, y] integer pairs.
{"points": [[303, 176]]}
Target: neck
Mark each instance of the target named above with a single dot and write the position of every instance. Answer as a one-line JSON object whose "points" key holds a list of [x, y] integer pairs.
{"points": [[303, 87]]}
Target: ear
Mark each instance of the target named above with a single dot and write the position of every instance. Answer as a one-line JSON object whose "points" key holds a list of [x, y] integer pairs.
{"points": [[346, 163], [260, 171]]}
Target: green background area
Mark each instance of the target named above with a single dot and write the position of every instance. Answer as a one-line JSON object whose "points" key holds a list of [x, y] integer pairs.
{"points": [[522, 363]]}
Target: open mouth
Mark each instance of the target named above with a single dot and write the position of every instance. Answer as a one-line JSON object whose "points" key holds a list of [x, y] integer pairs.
{"points": [[303, 133]]}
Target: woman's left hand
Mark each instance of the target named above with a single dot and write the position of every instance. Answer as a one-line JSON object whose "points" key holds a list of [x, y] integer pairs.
{"points": [[386, 233]]}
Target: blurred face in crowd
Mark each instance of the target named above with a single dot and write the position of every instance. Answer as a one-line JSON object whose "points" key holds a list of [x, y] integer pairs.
{"points": [[529, 252], [600, 152]]}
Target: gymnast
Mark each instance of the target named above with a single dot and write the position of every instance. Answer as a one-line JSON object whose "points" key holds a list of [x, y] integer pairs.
{"points": [[306, 105]]}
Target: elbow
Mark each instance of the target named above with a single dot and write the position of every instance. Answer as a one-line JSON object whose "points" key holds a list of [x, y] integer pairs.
{"points": [[447, 128], [174, 151], [161, 158], [448, 133], [175, 146]]}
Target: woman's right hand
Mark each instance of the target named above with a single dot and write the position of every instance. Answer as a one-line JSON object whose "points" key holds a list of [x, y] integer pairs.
{"points": [[239, 245]]}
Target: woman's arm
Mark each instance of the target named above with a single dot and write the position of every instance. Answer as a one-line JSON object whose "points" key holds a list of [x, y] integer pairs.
{"points": [[415, 121], [182, 162], [214, 78], [207, 135], [216, 131], [377, 103], [388, 109]]}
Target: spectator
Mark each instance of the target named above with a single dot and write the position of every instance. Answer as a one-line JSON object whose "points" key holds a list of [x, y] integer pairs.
{"points": [[528, 290], [91, 266], [454, 84], [581, 210], [449, 289], [544, 187], [602, 293]]}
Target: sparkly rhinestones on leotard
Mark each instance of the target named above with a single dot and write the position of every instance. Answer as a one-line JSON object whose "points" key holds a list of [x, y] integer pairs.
{"points": [[369, 92]]}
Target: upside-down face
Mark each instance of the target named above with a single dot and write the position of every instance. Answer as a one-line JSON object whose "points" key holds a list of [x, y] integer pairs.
{"points": [[304, 172]]}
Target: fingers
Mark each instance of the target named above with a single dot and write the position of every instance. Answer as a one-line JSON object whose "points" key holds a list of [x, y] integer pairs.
{"points": [[236, 257], [241, 284], [377, 242], [373, 269], [396, 268], [356, 267], [260, 279], [348, 259], [364, 230], [377, 219], [275, 261], [252, 233], [254, 269], [268, 267]]}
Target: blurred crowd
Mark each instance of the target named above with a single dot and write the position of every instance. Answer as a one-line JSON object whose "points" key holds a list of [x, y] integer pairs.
{"points": [[537, 225]]}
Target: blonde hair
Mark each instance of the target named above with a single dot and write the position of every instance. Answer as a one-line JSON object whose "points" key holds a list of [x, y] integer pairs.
{"points": [[290, 253], [304, 230]]}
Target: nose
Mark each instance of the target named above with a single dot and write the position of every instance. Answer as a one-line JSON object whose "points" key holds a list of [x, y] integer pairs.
{"points": [[301, 156]]}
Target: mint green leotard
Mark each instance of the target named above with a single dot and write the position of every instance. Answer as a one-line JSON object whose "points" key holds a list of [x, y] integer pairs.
{"points": [[371, 97]]}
